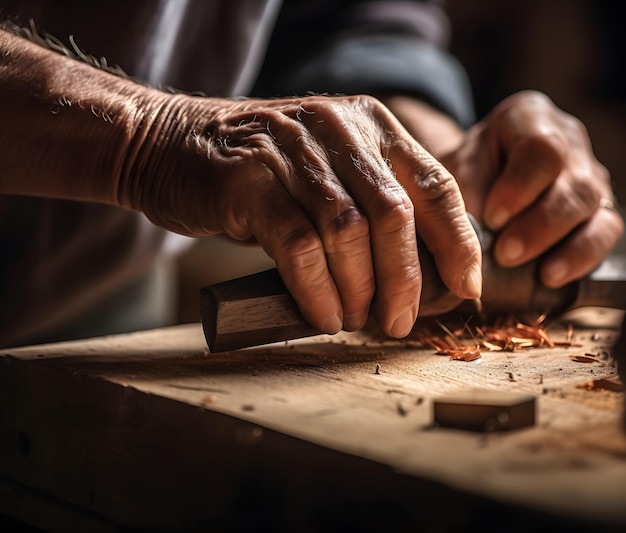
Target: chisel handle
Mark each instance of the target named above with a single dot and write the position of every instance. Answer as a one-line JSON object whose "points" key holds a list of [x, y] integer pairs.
{"points": [[258, 309]]}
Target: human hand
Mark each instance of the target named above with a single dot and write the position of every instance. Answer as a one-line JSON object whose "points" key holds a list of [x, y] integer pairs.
{"points": [[528, 171], [333, 188]]}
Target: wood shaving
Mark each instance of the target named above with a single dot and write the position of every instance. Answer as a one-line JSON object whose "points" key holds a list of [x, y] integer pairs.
{"points": [[609, 384], [468, 344], [567, 344], [584, 358], [465, 354]]}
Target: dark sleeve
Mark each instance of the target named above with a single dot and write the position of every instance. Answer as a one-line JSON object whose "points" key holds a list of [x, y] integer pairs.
{"points": [[372, 47]]}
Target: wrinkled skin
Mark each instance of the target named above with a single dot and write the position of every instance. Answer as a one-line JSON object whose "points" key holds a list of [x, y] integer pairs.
{"points": [[529, 172], [333, 188]]}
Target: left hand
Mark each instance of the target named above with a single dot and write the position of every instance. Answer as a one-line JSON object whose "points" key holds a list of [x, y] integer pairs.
{"points": [[529, 172]]}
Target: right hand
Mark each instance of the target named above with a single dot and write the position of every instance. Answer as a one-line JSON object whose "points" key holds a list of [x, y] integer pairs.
{"points": [[333, 188]]}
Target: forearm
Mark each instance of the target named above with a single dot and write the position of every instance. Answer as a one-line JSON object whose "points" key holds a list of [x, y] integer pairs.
{"points": [[67, 127]]}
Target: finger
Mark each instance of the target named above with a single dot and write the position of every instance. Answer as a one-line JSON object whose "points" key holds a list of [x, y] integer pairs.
{"points": [[442, 223], [408, 184], [392, 237], [283, 143], [473, 168], [440, 215], [396, 261], [583, 251], [292, 241], [265, 210], [572, 199], [344, 230], [347, 245], [390, 213], [535, 150]]}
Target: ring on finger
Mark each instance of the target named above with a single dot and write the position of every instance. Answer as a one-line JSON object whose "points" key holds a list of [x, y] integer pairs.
{"points": [[607, 204]]}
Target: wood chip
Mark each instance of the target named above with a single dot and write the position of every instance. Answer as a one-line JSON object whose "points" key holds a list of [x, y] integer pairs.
{"points": [[584, 359], [610, 384], [567, 344], [468, 343], [465, 354]]}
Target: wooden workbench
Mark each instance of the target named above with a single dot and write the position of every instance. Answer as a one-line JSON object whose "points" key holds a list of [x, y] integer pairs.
{"points": [[149, 430]]}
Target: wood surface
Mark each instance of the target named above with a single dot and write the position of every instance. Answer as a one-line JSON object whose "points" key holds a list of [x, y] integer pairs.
{"points": [[151, 430]]}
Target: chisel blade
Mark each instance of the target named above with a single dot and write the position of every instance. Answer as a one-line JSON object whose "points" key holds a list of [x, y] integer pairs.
{"points": [[258, 309]]}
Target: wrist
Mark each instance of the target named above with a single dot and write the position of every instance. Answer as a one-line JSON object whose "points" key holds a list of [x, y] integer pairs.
{"points": [[166, 172], [66, 126]]}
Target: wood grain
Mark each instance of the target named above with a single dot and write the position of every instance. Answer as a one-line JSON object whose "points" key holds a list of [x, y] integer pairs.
{"points": [[151, 430], [249, 311]]}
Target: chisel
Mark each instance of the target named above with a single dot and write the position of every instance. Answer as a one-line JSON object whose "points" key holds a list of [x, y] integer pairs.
{"points": [[258, 309]]}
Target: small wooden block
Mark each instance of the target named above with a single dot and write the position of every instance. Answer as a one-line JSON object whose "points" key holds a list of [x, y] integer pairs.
{"points": [[485, 410]]}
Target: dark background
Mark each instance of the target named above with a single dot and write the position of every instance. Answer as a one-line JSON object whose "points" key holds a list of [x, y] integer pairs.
{"points": [[570, 49]]}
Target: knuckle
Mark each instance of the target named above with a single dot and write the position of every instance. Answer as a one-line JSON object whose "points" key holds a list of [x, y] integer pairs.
{"points": [[547, 150], [356, 290], [406, 286], [576, 201], [328, 111], [394, 211], [319, 107], [435, 184], [574, 124], [347, 227], [298, 243], [585, 193], [602, 173], [359, 104], [363, 290], [409, 278], [533, 98], [368, 102]]}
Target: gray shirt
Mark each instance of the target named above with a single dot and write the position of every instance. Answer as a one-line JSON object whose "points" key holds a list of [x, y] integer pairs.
{"points": [[73, 269]]}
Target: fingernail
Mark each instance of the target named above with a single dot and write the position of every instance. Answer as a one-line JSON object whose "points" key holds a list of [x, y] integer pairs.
{"points": [[510, 250], [403, 324], [498, 218], [355, 321], [555, 272], [473, 282], [333, 325]]}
